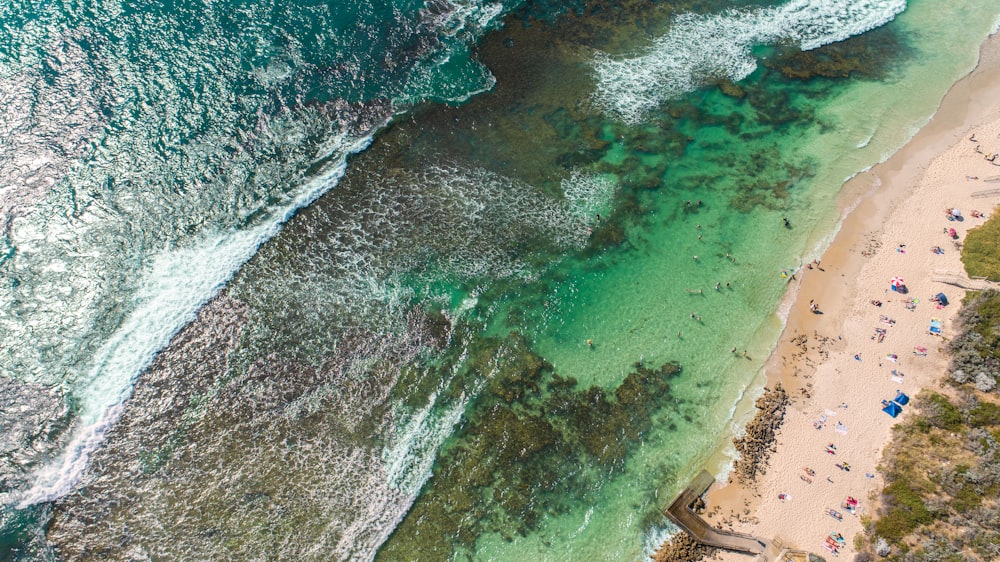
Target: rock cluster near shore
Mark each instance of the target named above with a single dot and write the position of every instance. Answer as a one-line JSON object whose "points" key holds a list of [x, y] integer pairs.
{"points": [[755, 447], [682, 548], [757, 444]]}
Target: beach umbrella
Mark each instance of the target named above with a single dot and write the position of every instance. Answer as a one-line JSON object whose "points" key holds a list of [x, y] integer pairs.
{"points": [[892, 408], [897, 282]]}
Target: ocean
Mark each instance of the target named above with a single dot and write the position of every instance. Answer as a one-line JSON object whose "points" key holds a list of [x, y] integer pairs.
{"points": [[409, 280]]}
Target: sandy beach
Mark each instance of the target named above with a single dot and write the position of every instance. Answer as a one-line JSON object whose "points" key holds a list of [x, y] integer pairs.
{"points": [[840, 364]]}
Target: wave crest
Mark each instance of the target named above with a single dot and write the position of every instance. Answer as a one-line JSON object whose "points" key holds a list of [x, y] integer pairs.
{"points": [[700, 48]]}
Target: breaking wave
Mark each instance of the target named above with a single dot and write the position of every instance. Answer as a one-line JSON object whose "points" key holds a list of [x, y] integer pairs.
{"points": [[700, 48]]}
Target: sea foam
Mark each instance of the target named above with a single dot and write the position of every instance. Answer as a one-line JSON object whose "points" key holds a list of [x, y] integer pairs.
{"points": [[173, 288], [701, 48]]}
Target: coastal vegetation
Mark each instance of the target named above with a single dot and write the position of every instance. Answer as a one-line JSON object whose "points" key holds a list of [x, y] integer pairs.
{"points": [[941, 501], [979, 251]]}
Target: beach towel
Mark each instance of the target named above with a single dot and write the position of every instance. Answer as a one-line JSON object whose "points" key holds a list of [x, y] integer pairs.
{"points": [[840, 428], [935, 327], [920, 350], [896, 376], [892, 357]]}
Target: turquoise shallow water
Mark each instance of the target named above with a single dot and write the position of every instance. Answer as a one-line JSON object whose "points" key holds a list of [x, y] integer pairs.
{"points": [[368, 344]]}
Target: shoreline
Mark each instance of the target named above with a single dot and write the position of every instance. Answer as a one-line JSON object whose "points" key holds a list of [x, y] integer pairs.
{"points": [[810, 344]]}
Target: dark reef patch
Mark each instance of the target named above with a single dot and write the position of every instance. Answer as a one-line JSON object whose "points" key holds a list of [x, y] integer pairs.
{"points": [[533, 444]]}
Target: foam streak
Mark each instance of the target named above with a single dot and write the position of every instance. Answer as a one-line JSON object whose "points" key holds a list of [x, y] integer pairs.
{"points": [[700, 48], [177, 284]]}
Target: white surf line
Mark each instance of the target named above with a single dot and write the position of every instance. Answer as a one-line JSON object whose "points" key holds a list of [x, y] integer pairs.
{"points": [[700, 48], [174, 288]]}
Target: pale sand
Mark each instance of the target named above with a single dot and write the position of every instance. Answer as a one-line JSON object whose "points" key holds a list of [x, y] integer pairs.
{"points": [[902, 202]]}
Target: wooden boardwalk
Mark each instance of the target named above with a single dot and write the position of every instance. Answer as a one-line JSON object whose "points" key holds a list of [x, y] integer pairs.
{"points": [[960, 280], [680, 513], [986, 193]]}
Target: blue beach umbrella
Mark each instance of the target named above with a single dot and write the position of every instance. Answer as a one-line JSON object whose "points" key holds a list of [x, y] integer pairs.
{"points": [[891, 408]]}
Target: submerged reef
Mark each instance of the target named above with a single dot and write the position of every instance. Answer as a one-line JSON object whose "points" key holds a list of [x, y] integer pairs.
{"points": [[534, 443], [869, 56]]}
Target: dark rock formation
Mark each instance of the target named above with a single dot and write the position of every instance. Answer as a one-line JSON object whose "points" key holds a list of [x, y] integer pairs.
{"points": [[757, 444], [682, 548]]}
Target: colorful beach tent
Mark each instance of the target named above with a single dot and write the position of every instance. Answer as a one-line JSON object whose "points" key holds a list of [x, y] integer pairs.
{"points": [[942, 300], [892, 408], [901, 398]]}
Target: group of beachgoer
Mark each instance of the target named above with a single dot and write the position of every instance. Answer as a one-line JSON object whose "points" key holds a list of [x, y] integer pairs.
{"points": [[990, 157]]}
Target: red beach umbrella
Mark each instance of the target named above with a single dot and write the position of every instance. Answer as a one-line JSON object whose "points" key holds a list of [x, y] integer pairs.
{"points": [[897, 282]]}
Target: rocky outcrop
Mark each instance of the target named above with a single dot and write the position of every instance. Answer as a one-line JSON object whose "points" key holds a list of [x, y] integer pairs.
{"points": [[756, 445], [682, 548]]}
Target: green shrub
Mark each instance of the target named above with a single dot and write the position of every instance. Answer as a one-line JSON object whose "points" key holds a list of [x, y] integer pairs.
{"points": [[906, 511], [986, 414], [981, 250], [940, 412]]}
